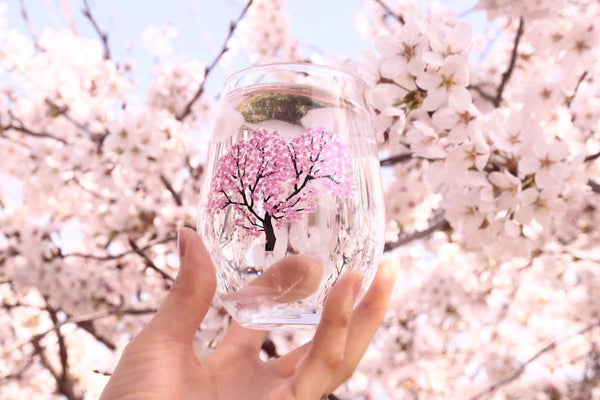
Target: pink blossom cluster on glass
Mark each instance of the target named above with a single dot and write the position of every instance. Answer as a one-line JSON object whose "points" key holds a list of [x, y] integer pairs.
{"points": [[269, 181]]}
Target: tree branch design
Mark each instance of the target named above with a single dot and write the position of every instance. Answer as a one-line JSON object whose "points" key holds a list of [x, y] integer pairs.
{"points": [[270, 182]]}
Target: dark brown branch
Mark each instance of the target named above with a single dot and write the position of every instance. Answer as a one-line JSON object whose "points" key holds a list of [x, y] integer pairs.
{"points": [[517, 372], [63, 110], [87, 12], [187, 110], [482, 93], [104, 373], [395, 159], [570, 98], [389, 11], [592, 157], [10, 306], [89, 327], [117, 256], [64, 383], [167, 183], [21, 128], [61, 389], [594, 185], [78, 320], [149, 263], [511, 65], [441, 225]]}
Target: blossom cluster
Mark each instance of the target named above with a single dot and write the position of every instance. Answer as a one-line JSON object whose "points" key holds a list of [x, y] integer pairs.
{"points": [[502, 172]]}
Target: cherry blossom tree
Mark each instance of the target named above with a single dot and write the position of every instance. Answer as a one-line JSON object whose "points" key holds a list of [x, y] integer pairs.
{"points": [[489, 144], [268, 181]]}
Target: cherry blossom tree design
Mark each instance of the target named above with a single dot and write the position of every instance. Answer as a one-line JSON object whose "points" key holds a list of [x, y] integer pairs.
{"points": [[269, 182]]}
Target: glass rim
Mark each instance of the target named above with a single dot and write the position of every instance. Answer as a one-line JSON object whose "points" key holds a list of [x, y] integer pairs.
{"points": [[290, 65]]}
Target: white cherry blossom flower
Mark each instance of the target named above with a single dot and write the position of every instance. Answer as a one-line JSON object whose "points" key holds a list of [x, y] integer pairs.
{"points": [[446, 84]]}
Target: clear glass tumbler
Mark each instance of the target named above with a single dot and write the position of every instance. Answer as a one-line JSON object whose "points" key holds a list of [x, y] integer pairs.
{"points": [[292, 195]]}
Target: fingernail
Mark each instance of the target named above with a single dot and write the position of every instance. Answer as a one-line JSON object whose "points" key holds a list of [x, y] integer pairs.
{"points": [[181, 242], [391, 268]]}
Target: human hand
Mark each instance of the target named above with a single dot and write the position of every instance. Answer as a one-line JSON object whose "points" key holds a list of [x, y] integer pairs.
{"points": [[160, 362]]}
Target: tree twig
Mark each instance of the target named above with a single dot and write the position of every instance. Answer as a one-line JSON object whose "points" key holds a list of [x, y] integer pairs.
{"points": [[169, 186], [64, 383], [395, 159], [511, 65], [87, 12], [570, 98], [149, 261], [117, 256], [389, 11], [517, 372], [21, 128], [34, 36], [479, 90], [441, 225], [79, 319], [187, 110], [594, 185], [89, 327], [592, 157], [68, 16]]}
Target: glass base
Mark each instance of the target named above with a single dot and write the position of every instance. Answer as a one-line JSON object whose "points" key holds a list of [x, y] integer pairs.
{"points": [[266, 320]]}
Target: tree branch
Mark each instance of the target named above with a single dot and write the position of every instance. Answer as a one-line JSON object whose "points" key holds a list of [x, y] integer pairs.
{"points": [[149, 263], [68, 16], [592, 157], [21, 128], [117, 256], [570, 98], [89, 327], [441, 225], [34, 36], [64, 384], [167, 183], [389, 11], [87, 12], [482, 93], [511, 65], [395, 159], [515, 374], [187, 110], [78, 320], [594, 185]]}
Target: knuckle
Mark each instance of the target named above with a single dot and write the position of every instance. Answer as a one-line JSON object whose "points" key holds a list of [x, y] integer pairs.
{"points": [[339, 319], [376, 309], [331, 362]]}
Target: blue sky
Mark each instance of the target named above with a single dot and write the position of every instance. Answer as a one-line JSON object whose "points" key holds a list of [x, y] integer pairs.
{"points": [[202, 24]]}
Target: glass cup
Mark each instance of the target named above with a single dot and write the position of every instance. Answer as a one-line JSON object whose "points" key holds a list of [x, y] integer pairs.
{"points": [[292, 195]]}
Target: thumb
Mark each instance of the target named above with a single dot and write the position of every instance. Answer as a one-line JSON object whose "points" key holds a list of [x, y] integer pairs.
{"points": [[190, 297]]}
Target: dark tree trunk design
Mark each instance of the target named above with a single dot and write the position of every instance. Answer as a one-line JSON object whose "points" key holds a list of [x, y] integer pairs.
{"points": [[269, 233]]}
